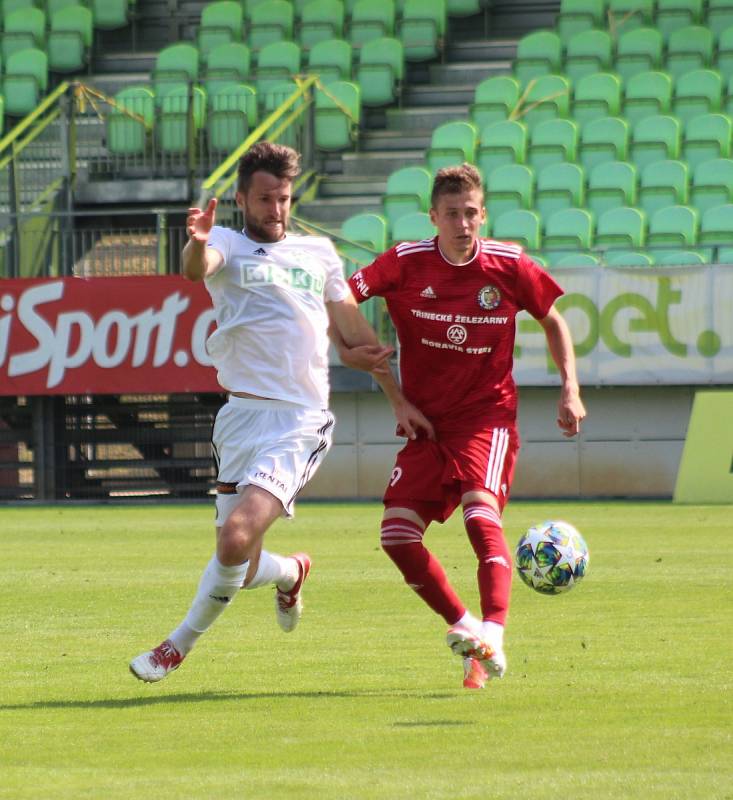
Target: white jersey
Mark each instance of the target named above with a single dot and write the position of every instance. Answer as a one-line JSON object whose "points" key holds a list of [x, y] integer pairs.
{"points": [[269, 299]]}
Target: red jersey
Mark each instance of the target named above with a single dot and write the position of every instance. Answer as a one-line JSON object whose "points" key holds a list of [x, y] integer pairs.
{"points": [[456, 325]]}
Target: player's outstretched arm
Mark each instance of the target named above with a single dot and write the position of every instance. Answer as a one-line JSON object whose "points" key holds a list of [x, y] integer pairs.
{"points": [[355, 338], [198, 261], [570, 408]]}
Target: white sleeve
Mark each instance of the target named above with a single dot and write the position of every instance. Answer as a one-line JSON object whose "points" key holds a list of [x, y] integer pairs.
{"points": [[220, 240], [336, 287]]}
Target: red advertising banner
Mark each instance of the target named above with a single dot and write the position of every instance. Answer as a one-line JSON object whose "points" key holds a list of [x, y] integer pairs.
{"points": [[105, 336]]}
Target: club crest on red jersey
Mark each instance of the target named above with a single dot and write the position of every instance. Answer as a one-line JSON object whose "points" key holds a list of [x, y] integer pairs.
{"points": [[489, 297]]}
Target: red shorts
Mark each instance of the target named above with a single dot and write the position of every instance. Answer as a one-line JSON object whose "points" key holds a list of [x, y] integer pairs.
{"points": [[434, 475]]}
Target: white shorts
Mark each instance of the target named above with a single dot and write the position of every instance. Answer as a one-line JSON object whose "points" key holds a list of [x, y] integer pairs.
{"points": [[272, 444]]}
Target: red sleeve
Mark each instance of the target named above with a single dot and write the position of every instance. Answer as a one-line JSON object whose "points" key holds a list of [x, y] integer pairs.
{"points": [[380, 278], [536, 290]]}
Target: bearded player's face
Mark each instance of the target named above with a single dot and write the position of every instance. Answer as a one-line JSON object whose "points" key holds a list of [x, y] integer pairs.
{"points": [[458, 218], [266, 206]]}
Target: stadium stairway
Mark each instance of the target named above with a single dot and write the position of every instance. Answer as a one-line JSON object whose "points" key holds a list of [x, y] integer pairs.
{"points": [[433, 93]]}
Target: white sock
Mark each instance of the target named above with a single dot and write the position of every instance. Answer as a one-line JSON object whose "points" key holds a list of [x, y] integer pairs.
{"points": [[469, 621], [283, 571], [493, 634], [218, 587]]}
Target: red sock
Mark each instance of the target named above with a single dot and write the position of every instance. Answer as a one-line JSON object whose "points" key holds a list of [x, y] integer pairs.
{"points": [[402, 542], [483, 525]]}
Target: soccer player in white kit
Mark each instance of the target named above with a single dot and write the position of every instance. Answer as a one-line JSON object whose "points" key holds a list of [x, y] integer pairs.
{"points": [[275, 295]]}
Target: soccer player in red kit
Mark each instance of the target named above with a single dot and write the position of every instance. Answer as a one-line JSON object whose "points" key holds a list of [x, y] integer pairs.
{"points": [[453, 300]]}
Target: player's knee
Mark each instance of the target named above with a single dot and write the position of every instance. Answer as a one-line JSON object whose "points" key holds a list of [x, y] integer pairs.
{"points": [[233, 543]]}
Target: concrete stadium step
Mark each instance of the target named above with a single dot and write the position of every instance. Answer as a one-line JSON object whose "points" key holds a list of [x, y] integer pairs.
{"points": [[350, 186], [379, 141], [425, 118], [381, 164], [334, 210], [421, 96], [471, 72], [114, 82], [481, 50], [127, 62]]}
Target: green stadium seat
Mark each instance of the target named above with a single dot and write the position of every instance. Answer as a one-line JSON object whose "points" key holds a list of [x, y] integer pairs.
{"points": [[689, 48], [321, 21], [221, 23], [679, 258], [611, 185], [380, 71], [724, 59], [697, 92], [227, 63], [604, 139], [334, 128], [127, 136], [52, 6], [621, 228], [494, 100], [712, 184], [232, 115], [552, 141], [366, 231], [706, 137], [451, 143], [175, 65], [249, 7], [70, 40], [408, 190], [509, 188], [522, 227], [538, 53], [109, 15], [24, 29], [674, 226], [577, 16], [422, 30], [330, 60], [277, 62], [674, 14], [720, 16], [647, 94], [628, 258], [656, 139], [413, 227], [568, 231], [371, 19], [571, 260], [638, 51], [547, 97], [270, 22], [715, 227], [597, 96], [171, 126], [26, 81], [464, 8], [587, 53], [628, 14], [559, 186], [663, 184], [7, 7], [725, 255], [501, 143]]}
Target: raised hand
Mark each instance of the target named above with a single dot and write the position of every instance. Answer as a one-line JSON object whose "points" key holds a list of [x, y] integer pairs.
{"points": [[199, 223]]}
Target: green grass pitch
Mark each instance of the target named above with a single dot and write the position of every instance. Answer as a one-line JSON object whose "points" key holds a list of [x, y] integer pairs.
{"points": [[619, 689]]}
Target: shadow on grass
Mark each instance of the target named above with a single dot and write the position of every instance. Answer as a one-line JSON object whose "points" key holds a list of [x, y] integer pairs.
{"points": [[215, 697]]}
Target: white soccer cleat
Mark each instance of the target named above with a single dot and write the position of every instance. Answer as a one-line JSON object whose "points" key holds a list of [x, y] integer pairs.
{"points": [[289, 605], [469, 645], [154, 665]]}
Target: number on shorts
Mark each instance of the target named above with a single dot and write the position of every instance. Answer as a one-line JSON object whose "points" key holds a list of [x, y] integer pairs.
{"points": [[396, 475]]}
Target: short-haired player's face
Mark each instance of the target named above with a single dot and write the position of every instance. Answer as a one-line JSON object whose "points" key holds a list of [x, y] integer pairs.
{"points": [[266, 206], [458, 218]]}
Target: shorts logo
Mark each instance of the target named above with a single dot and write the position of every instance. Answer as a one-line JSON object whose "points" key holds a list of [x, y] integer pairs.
{"points": [[396, 475], [457, 334], [489, 297]]}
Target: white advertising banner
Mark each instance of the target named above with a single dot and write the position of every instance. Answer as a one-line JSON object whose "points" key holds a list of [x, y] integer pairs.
{"points": [[638, 325]]}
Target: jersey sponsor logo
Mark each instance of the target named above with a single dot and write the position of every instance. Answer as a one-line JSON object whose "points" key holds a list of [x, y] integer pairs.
{"points": [[251, 274], [361, 285], [429, 293], [438, 316], [457, 334], [489, 297]]}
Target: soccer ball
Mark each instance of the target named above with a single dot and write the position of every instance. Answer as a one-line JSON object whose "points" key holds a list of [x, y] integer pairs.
{"points": [[552, 557]]}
